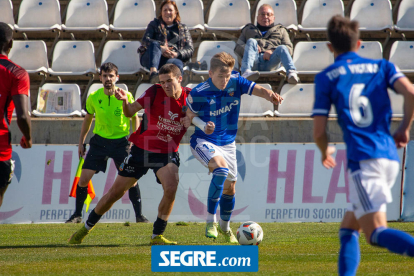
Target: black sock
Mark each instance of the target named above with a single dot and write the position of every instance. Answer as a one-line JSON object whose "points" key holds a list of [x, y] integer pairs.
{"points": [[135, 197], [93, 218], [81, 195], [159, 226]]}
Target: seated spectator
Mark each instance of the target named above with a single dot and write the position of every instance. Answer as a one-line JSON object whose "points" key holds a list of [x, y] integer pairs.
{"points": [[166, 40], [264, 46]]}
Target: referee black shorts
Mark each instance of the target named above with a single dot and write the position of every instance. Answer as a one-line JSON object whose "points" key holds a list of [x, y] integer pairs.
{"points": [[6, 172], [140, 161], [100, 149]]}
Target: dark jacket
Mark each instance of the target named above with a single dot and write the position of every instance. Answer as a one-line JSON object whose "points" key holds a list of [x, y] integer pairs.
{"points": [[181, 42], [276, 36]]}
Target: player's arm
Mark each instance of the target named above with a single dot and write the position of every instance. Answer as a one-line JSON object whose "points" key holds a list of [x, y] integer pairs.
{"points": [[135, 123], [23, 119], [267, 94], [86, 126], [321, 140], [129, 108], [404, 87], [207, 127]]}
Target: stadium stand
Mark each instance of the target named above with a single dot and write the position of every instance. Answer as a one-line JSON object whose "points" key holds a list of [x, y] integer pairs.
{"points": [[86, 15], [402, 55], [133, 15], [371, 49], [284, 10], [316, 14], [405, 19], [372, 15], [191, 13], [124, 55], [31, 55], [228, 15], [39, 16], [58, 100], [252, 106], [311, 57], [396, 103], [73, 58], [6, 12]]}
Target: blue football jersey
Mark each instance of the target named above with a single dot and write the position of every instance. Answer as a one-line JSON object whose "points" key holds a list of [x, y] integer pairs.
{"points": [[220, 107], [358, 88]]}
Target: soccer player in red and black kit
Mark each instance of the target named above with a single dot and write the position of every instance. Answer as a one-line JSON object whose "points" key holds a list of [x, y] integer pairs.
{"points": [[14, 91], [155, 147]]}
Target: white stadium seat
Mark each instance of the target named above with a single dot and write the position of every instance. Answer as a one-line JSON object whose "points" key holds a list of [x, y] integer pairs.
{"points": [[133, 15], [31, 55], [316, 14], [58, 100], [191, 13], [312, 57], [402, 55], [405, 19], [397, 103], [284, 10], [39, 15], [124, 55], [140, 90], [228, 15], [86, 15], [72, 58], [96, 86], [6, 12], [253, 106], [191, 85], [372, 15], [208, 49], [370, 49]]}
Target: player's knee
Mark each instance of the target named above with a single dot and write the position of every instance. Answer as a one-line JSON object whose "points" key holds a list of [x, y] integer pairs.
{"points": [[170, 189]]}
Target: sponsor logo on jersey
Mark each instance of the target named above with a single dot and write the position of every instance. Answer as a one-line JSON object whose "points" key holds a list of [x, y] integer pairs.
{"points": [[224, 109], [172, 115]]}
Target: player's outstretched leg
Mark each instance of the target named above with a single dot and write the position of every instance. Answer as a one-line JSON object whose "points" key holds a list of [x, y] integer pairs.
{"points": [[227, 203], [79, 235], [135, 198], [214, 193], [394, 240]]}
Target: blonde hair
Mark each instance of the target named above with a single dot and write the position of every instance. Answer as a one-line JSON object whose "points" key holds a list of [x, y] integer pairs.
{"points": [[222, 61]]}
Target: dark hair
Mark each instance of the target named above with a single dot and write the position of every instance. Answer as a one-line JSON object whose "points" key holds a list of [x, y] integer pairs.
{"points": [[6, 33], [165, 2], [170, 68], [108, 67], [343, 33], [222, 61]]}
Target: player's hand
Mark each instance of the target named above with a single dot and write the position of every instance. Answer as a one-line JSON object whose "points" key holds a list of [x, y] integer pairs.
{"points": [[81, 150], [275, 98], [327, 160], [185, 121], [401, 137], [267, 54], [121, 95], [209, 128], [259, 49], [25, 143]]}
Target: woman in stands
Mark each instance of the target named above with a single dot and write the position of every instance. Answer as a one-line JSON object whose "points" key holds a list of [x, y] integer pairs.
{"points": [[166, 40]]}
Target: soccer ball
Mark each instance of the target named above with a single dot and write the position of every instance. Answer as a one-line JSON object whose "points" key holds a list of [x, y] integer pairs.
{"points": [[249, 233]]}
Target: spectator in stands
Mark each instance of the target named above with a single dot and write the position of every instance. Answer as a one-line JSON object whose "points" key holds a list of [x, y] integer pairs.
{"points": [[264, 46], [166, 40]]}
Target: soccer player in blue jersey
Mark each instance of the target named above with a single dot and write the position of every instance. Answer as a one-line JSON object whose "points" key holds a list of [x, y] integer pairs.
{"points": [[214, 108], [358, 88]]}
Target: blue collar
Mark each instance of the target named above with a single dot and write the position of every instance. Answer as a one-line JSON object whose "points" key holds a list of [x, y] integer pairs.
{"points": [[347, 55]]}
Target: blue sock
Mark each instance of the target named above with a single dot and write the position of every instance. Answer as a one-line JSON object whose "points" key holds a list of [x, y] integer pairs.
{"points": [[226, 206], [216, 189], [349, 254], [394, 240]]}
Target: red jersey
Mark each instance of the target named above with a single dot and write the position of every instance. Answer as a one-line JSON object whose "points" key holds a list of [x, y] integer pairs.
{"points": [[14, 80], [163, 131]]}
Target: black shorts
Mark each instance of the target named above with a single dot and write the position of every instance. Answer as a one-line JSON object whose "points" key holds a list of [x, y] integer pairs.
{"points": [[100, 149], [140, 161], [6, 172]]}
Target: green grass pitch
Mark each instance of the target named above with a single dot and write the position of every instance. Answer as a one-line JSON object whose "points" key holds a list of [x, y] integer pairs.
{"points": [[117, 249]]}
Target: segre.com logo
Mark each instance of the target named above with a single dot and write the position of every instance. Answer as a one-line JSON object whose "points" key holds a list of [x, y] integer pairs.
{"points": [[206, 258]]}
